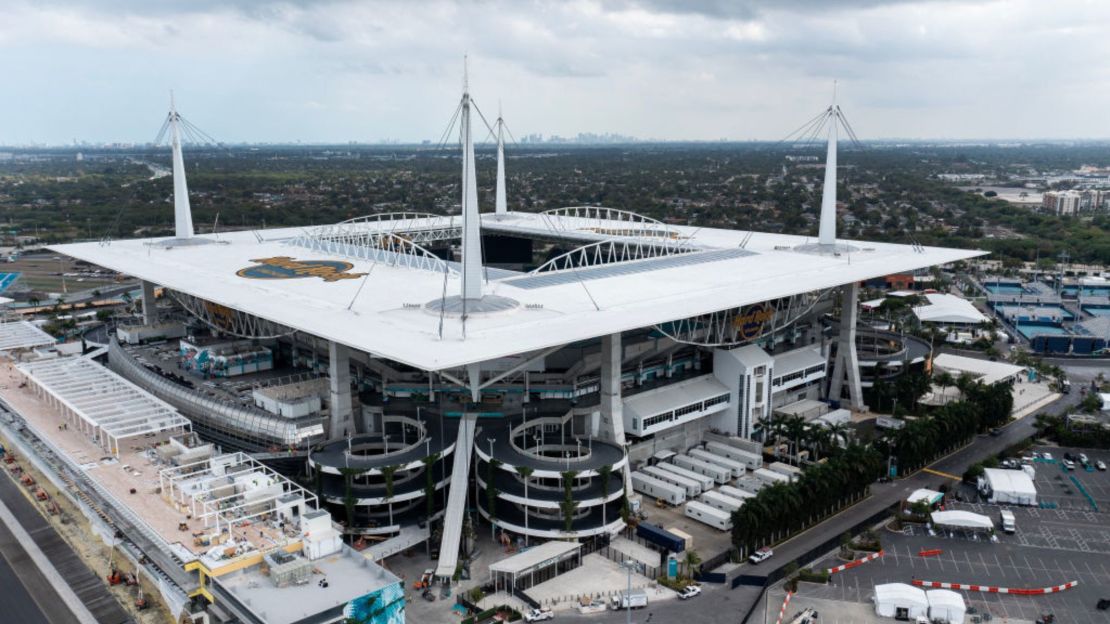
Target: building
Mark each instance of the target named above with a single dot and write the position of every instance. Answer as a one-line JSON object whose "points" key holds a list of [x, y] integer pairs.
{"points": [[1072, 202], [628, 337]]}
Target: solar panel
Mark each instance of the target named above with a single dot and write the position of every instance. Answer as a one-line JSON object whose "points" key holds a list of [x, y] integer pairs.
{"points": [[570, 276]]}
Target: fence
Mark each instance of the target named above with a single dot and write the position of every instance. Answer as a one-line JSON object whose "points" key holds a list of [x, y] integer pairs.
{"points": [[612, 554]]}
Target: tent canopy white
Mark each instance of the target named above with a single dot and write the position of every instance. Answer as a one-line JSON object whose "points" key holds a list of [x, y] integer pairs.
{"points": [[1010, 486], [924, 495], [947, 605], [944, 308], [958, 519], [891, 598]]}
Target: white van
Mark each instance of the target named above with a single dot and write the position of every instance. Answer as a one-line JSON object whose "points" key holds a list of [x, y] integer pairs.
{"points": [[1009, 524]]}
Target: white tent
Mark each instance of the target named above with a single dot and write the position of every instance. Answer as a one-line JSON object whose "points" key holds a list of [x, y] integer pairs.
{"points": [[1008, 487], [930, 497], [946, 605], [962, 520], [901, 600], [944, 308]]}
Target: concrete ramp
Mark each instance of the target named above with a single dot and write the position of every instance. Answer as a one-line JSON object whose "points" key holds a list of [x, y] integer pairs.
{"points": [[456, 498]]}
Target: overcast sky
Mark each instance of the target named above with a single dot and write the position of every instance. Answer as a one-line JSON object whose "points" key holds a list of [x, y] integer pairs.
{"points": [[317, 71]]}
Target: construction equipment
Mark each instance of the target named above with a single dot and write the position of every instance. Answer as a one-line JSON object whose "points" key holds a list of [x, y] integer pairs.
{"points": [[140, 601], [130, 579], [114, 577], [27, 480], [41, 494]]}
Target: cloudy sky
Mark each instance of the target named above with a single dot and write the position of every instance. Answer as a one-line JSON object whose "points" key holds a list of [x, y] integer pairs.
{"points": [[246, 70]]}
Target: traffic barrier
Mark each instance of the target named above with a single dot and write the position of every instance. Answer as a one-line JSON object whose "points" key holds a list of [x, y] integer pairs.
{"points": [[991, 589], [782, 611], [853, 564], [929, 553]]}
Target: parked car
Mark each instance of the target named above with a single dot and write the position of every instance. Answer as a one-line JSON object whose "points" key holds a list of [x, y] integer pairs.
{"points": [[995, 432], [761, 555], [1069, 457], [539, 615], [1069, 464], [1103, 604], [689, 592], [1047, 456], [1083, 459], [1101, 465]]}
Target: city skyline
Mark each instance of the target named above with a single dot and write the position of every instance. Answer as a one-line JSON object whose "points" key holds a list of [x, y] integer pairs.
{"points": [[335, 72]]}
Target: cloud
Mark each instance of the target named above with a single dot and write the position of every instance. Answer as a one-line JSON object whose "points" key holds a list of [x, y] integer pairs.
{"points": [[651, 68]]}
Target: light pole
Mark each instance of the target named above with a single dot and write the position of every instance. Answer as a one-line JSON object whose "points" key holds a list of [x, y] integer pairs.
{"points": [[385, 438], [428, 447], [629, 566]]}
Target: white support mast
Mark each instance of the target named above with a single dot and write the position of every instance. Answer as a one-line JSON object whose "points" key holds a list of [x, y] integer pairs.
{"points": [[471, 230], [826, 234], [182, 213], [500, 205]]}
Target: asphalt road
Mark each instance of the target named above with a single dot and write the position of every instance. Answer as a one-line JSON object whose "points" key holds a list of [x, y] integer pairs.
{"points": [[16, 604]]}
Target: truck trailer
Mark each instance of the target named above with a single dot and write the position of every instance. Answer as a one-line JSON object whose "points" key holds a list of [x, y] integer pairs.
{"points": [[655, 488]]}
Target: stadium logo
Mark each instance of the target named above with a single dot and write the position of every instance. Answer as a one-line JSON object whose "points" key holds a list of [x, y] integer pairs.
{"points": [[751, 320], [284, 267]]}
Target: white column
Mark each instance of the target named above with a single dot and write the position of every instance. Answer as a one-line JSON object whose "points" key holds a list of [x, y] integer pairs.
{"points": [[612, 406], [847, 359], [339, 381], [471, 223], [150, 305], [182, 213]]}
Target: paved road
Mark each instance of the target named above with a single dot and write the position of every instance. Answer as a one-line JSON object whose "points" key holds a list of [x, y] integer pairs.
{"points": [[16, 604]]}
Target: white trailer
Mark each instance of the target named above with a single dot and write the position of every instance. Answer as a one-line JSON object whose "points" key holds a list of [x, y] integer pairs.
{"points": [[738, 468], [693, 488], [751, 483], [709, 515], [720, 501], [736, 493], [748, 458], [655, 488], [707, 483], [793, 472], [717, 473], [770, 477]]}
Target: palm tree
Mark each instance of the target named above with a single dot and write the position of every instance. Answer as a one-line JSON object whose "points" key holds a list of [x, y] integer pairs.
{"points": [[692, 559], [603, 473], [569, 504], [387, 473], [525, 472], [944, 380]]}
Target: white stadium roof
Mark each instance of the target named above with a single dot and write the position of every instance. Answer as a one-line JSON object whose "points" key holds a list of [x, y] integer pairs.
{"points": [[383, 313], [945, 308], [16, 335]]}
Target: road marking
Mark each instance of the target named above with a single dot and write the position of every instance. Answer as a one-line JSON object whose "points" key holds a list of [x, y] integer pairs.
{"points": [[941, 474]]}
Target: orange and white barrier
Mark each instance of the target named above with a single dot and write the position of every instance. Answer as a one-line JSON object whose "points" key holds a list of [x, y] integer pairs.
{"points": [[1016, 591], [782, 611], [935, 552], [853, 564]]}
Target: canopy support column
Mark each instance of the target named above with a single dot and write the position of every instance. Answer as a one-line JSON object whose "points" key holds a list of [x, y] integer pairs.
{"points": [[341, 421], [847, 359]]}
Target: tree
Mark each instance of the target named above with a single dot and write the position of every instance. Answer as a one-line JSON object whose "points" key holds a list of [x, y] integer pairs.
{"points": [[692, 559], [349, 499], [429, 485], [944, 380], [603, 474], [387, 473], [569, 505]]}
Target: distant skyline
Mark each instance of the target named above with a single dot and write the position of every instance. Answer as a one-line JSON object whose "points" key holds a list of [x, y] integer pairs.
{"points": [[339, 71]]}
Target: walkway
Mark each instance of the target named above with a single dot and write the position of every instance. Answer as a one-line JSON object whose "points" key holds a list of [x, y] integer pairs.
{"points": [[456, 498]]}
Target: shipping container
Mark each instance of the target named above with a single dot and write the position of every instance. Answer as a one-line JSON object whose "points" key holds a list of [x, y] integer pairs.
{"points": [[717, 473], [748, 458], [655, 488], [737, 468], [770, 477], [693, 488], [786, 469], [660, 537], [709, 515], [707, 483], [751, 483]]}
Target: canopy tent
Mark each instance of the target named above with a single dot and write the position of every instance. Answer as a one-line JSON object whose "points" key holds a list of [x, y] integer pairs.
{"points": [[964, 520], [930, 497], [950, 309], [1013, 487], [901, 601], [946, 605]]}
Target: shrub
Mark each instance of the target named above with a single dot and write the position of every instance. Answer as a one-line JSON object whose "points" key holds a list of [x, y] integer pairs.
{"points": [[812, 576]]}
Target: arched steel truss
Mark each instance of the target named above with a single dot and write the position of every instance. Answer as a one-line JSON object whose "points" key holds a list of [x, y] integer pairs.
{"points": [[418, 227], [612, 251], [738, 326], [606, 221], [385, 242], [227, 320]]}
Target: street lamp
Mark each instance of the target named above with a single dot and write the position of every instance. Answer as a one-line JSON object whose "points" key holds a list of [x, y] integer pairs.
{"points": [[428, 447], [492, 525], [629, 566]]}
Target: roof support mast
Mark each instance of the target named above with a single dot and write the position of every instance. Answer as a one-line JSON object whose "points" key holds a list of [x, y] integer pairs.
{"points": [[500, 205], [826, 234], [471, 234], [182, 213]]}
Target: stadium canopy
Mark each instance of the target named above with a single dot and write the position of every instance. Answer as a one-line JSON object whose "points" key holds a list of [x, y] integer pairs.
{"points": [[930, 497], [322, 283], [946, 605], [944, 308], [959, 519], [100, 403], [983, 370]]}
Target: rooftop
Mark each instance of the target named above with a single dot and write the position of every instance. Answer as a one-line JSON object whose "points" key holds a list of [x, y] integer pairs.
{"points": [[15, 335], [534, 557], [984, 370], [374, 302]]}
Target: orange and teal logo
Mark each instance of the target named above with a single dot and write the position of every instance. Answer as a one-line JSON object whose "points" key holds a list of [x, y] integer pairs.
{"points": [[752, 320], [284, 267]]}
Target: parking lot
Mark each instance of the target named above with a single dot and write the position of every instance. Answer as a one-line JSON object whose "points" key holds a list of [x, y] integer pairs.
{"points": [[1056, 487]]}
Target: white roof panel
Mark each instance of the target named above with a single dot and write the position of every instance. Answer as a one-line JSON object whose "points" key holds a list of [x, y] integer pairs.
{"points": [[963, 519], [382, 311], [984, 370], [22, 335], [945, 308], [1010, 481], [534, 557], [666, 398]]}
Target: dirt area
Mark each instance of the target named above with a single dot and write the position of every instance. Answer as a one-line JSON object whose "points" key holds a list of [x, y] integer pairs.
{"points": [[75, 529]]}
